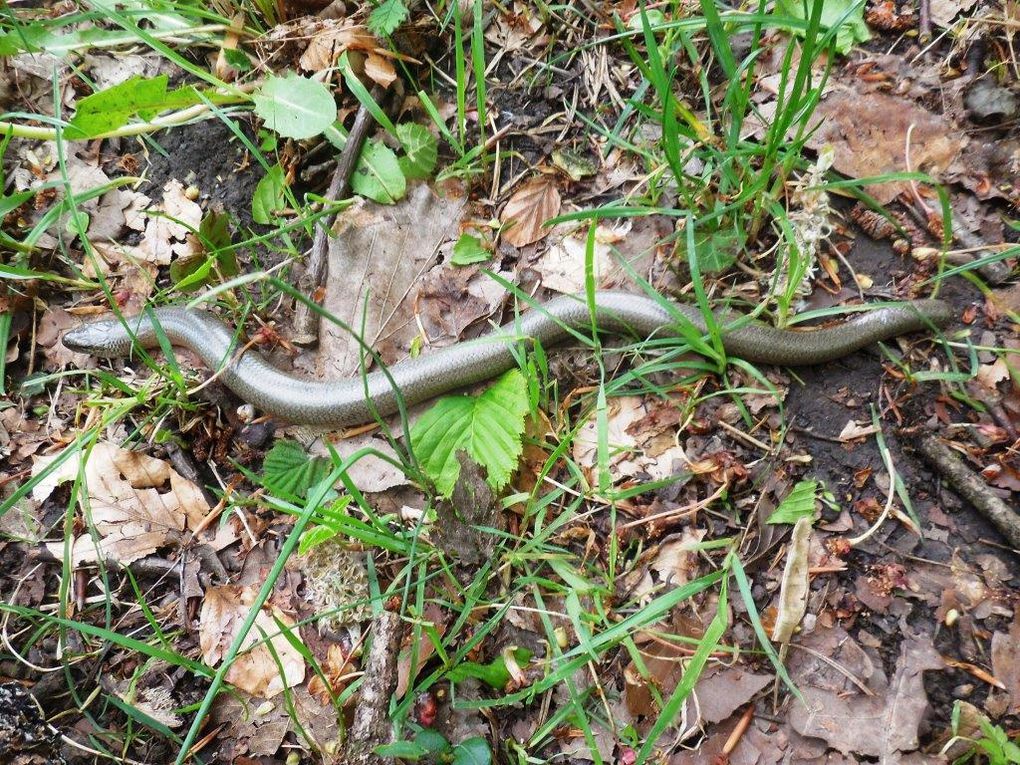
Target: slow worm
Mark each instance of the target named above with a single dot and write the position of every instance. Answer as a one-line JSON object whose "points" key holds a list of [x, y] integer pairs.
{"points": [[344, 403]]}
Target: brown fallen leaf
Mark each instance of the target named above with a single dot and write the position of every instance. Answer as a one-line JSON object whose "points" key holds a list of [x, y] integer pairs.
{"points": [[1006, 664], [137, 503], [255, 669], [655, 451], [869, 136], [527, 211], [884, 724], [376, 260]]}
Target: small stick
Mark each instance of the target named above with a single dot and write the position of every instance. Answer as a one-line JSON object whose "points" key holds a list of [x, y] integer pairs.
{"points": [[971, 487], [306, 321], [924, 25]]}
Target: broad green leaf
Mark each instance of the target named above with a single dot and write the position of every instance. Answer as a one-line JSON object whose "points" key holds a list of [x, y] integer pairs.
{"points": [[295, 107], [716, 250], [288, 472], [112, 108], [468, 250], [401, 750], [237, 59], [269, 196], [472, 751], [315, 536], [799, 503], [214, 230], [853, 30], [421, 150], [378, 175], [488, 427], [192, 273], [432, 741], [386, 17]]}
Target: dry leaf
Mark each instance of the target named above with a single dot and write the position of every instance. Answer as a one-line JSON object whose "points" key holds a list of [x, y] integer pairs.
{"points": [[137, 503], [853, 430], [793, 591], [562, 265], [652, 449], [337, 36], [527, 210], [169, 234], [869, 136], [380, 70], [255, 671]]}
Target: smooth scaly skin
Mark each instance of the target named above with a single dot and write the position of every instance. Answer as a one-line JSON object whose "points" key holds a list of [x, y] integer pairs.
{"points": [[345, 403]]}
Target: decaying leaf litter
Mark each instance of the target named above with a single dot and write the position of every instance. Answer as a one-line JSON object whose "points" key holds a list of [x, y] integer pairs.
{"points": [[179, 583]]}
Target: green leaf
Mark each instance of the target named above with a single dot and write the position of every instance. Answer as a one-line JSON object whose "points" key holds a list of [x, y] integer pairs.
{"points": [[295, 106], [378, 175], [715, 249], [799, 503], [269, 196], [214, 231], [432, 741], [420, 148], [472, 751], [469, 249], [494, 674], [315, 536], [852, 30], [237, 59], [401, 750], [112, 108], [488, 427], [386, 17], [288, 472]]}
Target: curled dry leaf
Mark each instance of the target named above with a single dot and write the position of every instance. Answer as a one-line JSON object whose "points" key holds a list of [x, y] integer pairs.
{"points": [[255, 669], [335, 37], [527, 211], [793, 592]]}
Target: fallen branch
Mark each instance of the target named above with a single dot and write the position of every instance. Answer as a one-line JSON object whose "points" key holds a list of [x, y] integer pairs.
{"points": [[971, 487], [371, 726], [306, 320]]}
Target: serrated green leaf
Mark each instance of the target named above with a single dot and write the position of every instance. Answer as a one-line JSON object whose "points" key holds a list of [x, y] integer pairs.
{"points": [[269, 196], [386, 17], [295, 107], [716, 250], [488, 427], [378, 175], [112, 108], [469, 249], [472, 751], [799, 503], [421, 150], [288, 472]]}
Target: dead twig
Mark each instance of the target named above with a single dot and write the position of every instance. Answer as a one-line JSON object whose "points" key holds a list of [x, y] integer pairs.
{"points": [[306, 320], [971, 487]]}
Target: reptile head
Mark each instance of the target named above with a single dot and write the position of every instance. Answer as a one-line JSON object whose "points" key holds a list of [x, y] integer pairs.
{"points": [[103, 337]]}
